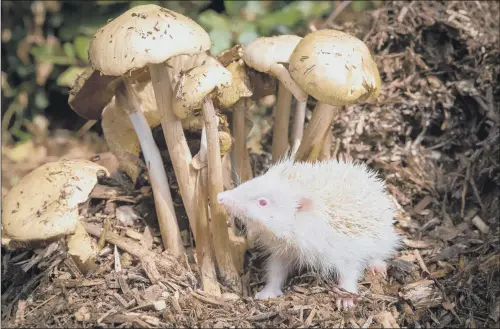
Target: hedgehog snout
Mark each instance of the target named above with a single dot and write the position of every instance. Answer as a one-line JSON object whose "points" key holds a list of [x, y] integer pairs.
{"points": [[220, 198]]}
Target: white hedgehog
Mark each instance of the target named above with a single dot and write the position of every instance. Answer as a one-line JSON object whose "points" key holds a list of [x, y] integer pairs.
{"points": [[331, 217]]}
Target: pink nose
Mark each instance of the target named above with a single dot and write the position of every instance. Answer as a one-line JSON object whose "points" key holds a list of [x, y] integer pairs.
{"points": [[220, 198]]}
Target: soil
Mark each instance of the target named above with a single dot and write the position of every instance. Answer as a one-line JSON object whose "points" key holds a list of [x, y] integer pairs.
{"points": [[433, 135]]}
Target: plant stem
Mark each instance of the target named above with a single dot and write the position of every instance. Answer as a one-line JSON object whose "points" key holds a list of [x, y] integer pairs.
{"points": [[167, 219], [240, 152], [204, 250], [326, 149], [281, 121], [285, 78], [220, 234], [315, 131], [178, 149], [163, 199], [298, 125]]}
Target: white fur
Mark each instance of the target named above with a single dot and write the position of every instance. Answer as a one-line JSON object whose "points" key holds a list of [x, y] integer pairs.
{"points": [[348, 227]]}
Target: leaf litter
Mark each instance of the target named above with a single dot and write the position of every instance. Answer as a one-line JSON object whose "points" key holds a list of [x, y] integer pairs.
{"points": [[434, 136]]}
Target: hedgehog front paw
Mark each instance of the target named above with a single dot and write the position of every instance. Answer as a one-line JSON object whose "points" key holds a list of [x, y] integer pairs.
{"points": [[378, 266], [345, 303], [269, 292]]}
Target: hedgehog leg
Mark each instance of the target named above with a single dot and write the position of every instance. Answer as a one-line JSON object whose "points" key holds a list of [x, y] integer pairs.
{"points": [[277, 272], [378, 266], [348, 280]]}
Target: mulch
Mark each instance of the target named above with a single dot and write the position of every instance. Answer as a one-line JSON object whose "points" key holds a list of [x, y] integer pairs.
{"points": [[433, 135]]}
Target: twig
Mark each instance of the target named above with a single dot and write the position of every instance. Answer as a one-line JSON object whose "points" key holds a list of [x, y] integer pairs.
{"points": [[421, 262], [343, 5], [208, 300]]}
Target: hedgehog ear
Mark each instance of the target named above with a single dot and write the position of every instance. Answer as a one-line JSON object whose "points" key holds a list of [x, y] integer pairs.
{"points": [[304, 204]]}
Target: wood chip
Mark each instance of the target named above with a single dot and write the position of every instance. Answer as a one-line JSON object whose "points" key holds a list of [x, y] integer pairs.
{"points": [[207, 299], [120, 300], [423, 294], [386, 320], [417, 244], [262, 316], [131, 233], [482, 226], [422, 204]]}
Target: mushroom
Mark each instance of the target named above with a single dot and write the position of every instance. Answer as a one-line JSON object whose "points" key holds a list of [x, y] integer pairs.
{"points": [[200, 81], [43, 206], [268, 54], [146, 36], [337, 69], [204, 249]]}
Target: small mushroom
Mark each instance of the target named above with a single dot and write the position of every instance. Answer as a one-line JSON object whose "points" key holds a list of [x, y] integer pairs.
{"points": [[269, 54], [146, 36], [119, 132], [337, 69], [196, 83], [43, 206], [201, 80]]}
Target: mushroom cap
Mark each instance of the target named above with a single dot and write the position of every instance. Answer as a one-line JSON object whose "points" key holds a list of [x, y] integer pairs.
{"points": [[195, 83], [92, 91], [44, 204], [334, 67], [240, 87], [145, 34], [119, 132], [263, 52], [193, 122]]}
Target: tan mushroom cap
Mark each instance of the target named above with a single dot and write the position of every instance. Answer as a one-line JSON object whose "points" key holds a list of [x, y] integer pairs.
{"points": [[336, 68], [195, 83], [240, 86], [119, 132], [44, 204], [145, 34], [268, 54]]}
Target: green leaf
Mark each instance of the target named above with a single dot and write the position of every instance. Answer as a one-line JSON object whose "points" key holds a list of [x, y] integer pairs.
{"points": [[358, 5], [292, 14], [82, 47], [49, 54], [211, 20], [109, 2], [41, 100], [246, 31], [67, 78], [221, 40], [138, 3], [233, 8], [69, 51]]}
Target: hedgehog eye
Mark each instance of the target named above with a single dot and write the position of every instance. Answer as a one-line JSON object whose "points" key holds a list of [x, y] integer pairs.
{"points": [[262, 202]]}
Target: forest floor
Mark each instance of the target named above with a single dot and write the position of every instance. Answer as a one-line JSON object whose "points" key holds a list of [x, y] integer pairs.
{"points": [[433, 135]]}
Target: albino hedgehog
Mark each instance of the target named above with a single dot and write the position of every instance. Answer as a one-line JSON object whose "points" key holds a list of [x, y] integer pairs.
{"points": [[331, 217]]}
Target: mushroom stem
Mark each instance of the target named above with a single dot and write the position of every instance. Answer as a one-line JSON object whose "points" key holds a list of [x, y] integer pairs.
{"points": [[298, 125], [240, 153], [178, 149], [284, 77], [220, 234], [281, 121], [315, 131], [167, 219], [203, 246], [326, 148]]}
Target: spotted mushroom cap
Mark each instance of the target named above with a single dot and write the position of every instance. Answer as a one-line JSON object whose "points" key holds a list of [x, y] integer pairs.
{"points": [[44, 204], [269, 54], [195, 83], [145, 34], [336, 68], [263, 52]]}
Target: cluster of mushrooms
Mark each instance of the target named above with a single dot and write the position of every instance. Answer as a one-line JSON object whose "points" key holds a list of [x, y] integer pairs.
{"points": [[151, 66]]}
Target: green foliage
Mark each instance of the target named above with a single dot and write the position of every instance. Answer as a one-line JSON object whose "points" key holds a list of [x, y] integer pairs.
{"points": [[45, 43]]}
